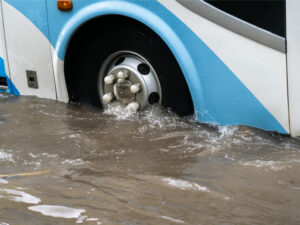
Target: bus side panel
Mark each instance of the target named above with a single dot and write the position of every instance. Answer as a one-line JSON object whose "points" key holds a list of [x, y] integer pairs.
{"points": [[293, 62], [28, 48], [5, 84], [261, 69]]}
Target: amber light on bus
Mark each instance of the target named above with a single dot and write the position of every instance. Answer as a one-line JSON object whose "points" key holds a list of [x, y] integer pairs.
{"points": [[64, 5]]}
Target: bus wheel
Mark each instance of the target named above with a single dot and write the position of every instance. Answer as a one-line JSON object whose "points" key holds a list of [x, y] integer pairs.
{"points": [[130, 79], [132, 65]]}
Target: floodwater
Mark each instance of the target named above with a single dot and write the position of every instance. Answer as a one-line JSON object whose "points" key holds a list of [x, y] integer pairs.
{"points": [[70, 163]]}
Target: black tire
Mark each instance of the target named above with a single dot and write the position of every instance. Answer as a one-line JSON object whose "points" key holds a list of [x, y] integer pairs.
{"points": [[137, 38]]}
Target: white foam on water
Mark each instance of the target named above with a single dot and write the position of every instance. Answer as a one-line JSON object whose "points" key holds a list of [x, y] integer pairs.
{"points": [[44, 154], [92, 219], [21, 188], [32, 155], [272, 165], [226, 156], [84, 218], [172, 219], [57, 211], [73, 161], [3, 181], [4, 95], [81, 219], [32, 163], [72, 136], [49, 155], [153, 116], [176, 134], [119, 111], [296, 188], [2, 223], [226, 198], [184, 185], [294, 161], [20, 196], [6, 156], [226, 131], [55, 115]]}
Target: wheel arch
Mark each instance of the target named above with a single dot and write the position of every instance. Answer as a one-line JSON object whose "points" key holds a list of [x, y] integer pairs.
{"points": [[147, 17]]}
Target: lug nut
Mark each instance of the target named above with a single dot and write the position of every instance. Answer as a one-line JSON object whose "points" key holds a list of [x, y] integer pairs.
{"points": [[107, 97], [120, 80], [135, 88], [123, 74], [133, 106], [110, 79]]}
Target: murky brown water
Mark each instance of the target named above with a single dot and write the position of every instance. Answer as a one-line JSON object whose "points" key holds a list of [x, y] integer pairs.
{"points": [[152, 168]]}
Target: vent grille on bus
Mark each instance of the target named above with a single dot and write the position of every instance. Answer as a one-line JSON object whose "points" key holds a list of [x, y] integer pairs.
{"points": [[3, 83]]}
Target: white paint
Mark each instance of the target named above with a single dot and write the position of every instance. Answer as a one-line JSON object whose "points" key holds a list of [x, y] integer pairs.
{"points": [[3, 54], [59, 77], [20, 196], [184, 185], [57, 211], [28, 49], [260, 68], [293, 61]]}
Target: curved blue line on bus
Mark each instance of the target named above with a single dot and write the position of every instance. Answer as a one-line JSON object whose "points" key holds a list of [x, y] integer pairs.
{"points": [[218, 95], [11, 87]]}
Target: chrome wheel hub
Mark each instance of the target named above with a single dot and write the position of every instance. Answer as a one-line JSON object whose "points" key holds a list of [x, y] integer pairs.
{"points": [[122, 91], [130, 79]]}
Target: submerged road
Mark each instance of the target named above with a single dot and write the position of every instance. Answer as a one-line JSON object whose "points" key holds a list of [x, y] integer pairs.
{"points": [[70, 163]]}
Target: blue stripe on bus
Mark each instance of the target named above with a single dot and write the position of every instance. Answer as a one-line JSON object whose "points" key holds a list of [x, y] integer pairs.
{"points": [[11, 87], [218, 95]]}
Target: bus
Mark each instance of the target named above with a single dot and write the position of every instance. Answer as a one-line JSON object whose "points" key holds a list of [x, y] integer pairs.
{"points": [[227, 62]]}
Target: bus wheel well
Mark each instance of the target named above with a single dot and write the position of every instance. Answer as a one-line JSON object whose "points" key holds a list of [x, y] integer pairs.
{"points": [[91, 32]]}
